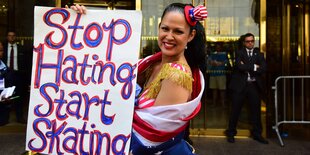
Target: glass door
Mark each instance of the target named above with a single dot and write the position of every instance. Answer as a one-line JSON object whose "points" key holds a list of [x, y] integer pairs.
{"points": [[227, 21], [295, 37], [295, 59]]}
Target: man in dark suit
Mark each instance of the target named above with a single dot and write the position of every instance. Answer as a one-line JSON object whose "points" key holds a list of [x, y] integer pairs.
{"points": [[247, 82], [15, 59]]}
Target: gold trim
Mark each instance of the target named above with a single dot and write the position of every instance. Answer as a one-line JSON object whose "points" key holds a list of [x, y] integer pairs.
{"points": [[286, 37], [58, 3], [199, 3], [262, 42], [262, 26], [205, 20], [288, 40], [217, 132], [30, 153], [209, 38], [24, 38], [301, 32], [307, 33], [95, 4], [138, 5]]}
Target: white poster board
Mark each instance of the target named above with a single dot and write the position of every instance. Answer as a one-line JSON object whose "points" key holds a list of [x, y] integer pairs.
{"points": [[83, 81]]}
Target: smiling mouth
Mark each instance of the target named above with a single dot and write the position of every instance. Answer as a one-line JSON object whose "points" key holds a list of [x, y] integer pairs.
{"points": [[168, 45]]}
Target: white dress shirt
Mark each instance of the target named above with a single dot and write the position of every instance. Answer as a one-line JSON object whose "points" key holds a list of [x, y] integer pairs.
{"points": [[15, 55], [250, 54]]}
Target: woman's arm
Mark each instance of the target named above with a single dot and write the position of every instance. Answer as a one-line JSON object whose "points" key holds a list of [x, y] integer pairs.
{"points": [[171, 93]]}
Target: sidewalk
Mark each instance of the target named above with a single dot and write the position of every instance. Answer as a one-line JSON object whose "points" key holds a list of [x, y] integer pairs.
{"points": [[14, 144], [247, 146]]}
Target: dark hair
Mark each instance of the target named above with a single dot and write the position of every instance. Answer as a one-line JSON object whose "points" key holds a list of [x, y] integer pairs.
{"points": [[10, 30], [240, 42], [248, 35], [195, 52]]}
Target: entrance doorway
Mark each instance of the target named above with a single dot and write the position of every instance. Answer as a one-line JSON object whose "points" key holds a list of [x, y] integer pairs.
{"points": [[287, 49], [216, 103], [296, 37]]}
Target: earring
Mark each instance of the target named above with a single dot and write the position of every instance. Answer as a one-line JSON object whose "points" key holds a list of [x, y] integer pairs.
{"points": [[186, 47]]}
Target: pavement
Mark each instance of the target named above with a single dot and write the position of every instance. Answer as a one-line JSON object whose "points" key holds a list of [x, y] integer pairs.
{"points": [[14, 144], [248, 146]]}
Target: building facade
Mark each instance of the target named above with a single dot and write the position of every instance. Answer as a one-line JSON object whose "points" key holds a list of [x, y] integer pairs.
{"points": [[281, 29]]}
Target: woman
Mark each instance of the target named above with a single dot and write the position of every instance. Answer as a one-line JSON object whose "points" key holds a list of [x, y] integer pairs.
{"points": [[171, 83]]}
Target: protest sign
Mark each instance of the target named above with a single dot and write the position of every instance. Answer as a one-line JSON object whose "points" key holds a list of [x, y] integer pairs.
{"points": [[83, 81]]}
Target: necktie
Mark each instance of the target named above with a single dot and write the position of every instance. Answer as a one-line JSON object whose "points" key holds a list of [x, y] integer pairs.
{"points": [[250, 54], [12, 57]]}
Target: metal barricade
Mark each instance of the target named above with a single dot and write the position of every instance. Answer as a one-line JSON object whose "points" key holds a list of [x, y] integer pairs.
{"points": [[291, 101]]}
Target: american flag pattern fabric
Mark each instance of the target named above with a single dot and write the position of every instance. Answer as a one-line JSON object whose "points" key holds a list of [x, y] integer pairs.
{"points": [[154, 125], [200, 12], [194, 14]]}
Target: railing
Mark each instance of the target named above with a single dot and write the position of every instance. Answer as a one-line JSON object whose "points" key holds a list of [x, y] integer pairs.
{"points": [[290, 101]]}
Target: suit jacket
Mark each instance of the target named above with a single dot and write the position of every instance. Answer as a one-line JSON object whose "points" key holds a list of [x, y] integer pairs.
{"points": [[20, 78], [243, 66], [21, 58]]}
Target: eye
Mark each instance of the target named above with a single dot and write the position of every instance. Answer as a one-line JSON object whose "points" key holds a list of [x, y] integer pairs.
{"points": [[179, 32], [165, 29]]}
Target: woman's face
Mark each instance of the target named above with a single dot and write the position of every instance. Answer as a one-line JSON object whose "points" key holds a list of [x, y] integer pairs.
{"points": [[174, 34]]}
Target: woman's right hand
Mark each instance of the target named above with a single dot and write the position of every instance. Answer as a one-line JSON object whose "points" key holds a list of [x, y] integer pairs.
{"points": [[78, 8]]}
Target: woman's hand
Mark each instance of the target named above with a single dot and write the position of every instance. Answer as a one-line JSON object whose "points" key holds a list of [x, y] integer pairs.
{"points": [[78, 8]]}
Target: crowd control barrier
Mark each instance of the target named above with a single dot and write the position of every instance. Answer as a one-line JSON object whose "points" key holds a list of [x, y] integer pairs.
{"points": [[291, 96]]}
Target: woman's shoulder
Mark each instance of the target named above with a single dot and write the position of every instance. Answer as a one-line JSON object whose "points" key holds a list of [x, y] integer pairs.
{"points": [[177, 66], [178, 73]]}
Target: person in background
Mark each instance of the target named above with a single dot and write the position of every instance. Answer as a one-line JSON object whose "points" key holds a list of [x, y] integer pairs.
{"points": [[247, 82], [171, 83], [3, 67], [217, 70], [15, 59], [4, 108]]}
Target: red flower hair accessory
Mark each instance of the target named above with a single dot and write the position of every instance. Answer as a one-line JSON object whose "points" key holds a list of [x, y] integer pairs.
{"points": [[193, 15]]}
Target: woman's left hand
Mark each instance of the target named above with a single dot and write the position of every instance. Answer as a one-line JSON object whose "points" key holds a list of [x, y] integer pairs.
{"points": [[78, 8]]}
